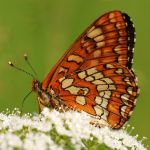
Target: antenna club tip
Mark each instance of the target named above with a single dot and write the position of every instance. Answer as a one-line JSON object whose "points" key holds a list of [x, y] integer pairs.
{"points": [[10, 63], [25, 56]]}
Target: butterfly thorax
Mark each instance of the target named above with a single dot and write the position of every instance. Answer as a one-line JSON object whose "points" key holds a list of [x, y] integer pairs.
{"points": [[46, 98]]}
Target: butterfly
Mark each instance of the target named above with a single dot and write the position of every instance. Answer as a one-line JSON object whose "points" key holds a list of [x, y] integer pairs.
{"points": [[95, 74]]}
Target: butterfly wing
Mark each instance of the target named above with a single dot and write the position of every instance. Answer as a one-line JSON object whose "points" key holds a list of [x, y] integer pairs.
{"points": [[109, 39], [106, 91], [95, 75]]}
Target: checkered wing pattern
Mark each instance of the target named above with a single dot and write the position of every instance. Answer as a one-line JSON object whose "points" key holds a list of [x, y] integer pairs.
{"points": [[95, 74]]}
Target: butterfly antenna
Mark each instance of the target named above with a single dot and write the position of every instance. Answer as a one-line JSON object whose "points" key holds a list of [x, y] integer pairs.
{"points": [[14, 66], [22, 104], [28, 62]]}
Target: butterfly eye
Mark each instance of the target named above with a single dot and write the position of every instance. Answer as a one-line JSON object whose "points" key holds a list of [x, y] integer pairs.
{"points": [[35, 85]]}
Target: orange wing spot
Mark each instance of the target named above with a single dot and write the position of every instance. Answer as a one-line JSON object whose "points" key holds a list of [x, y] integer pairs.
{"points": [[114, 107], [110, 59], [123, 33], [105, 19], [88, 43], [102, 20], [109, 28], [122, 57], [70, 101], [121, 88], [111, 35], [118, 100], [118, 80], [121, 50], [114, 14], [80, 52], [116, 19], [90, 63], [107, 50], [70, 65], [121, 25], [113, 119]]}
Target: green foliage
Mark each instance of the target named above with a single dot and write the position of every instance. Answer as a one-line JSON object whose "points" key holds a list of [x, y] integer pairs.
{"points": [[61, 139]]}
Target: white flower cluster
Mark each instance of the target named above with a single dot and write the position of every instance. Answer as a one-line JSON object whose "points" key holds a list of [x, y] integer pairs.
{"points": [[58, 131]]}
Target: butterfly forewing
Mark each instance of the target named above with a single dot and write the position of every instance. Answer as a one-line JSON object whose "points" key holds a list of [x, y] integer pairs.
{"points": [[94, 75], [109, 39]]}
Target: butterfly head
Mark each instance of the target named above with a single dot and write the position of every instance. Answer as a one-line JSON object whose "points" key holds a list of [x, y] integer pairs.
{"points": [[45, 98], [36, 85]]}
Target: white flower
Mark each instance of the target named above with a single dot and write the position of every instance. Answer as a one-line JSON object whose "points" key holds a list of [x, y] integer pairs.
{"points": [[58, 131]]}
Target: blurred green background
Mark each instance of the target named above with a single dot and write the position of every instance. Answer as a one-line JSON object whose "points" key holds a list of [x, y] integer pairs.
{"points": [[44, 29]]}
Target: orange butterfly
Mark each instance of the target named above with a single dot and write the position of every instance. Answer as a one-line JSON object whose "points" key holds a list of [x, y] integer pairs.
{"points": [[95, 74]]}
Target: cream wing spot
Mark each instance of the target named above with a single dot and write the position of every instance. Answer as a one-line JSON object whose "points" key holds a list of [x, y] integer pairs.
{"points": [[98, 82], [66, 83], [108, 80], [86, 90], [130, 90], [111, 15], [98, 100], [105, 94], [81, 100], [130, 113], [91, 71], [61, 79], [102, 87], [112, 87], [109, 66], [127, 80], [101, 94], [98, 75], [98, 109], [61, 69], [75, 58], [100, 44], [119, 71], [105, 115], [96, 53], [95, 32], [135, 101], [89, 78], [82, 75], [104, 103], [123, 109], [99, 38], [125, 102], [125, 97], [73, 90]]}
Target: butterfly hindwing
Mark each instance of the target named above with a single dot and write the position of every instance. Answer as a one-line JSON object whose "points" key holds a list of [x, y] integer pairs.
{"points": [[107, 91]]}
